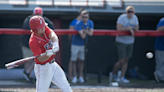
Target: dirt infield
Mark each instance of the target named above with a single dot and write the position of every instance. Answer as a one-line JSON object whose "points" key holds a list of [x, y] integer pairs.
{"points": [[87, 88]]}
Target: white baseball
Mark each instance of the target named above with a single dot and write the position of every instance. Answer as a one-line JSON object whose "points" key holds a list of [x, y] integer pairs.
{"points": [[149, 55]]}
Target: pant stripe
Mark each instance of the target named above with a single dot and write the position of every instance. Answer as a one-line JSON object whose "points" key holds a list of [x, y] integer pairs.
{"points": [[38, 78]]}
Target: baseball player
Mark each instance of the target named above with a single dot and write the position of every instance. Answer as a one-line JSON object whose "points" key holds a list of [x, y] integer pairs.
{"points": [[43, 39], [29, 66]]}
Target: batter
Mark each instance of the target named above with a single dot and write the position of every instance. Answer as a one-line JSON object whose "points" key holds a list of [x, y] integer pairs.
{"points": [[43, 39]]}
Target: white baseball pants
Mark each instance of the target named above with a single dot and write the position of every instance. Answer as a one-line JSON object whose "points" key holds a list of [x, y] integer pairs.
{"points": [[50, 72]]}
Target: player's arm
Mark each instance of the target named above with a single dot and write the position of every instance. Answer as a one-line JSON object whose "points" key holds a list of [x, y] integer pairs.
{"points": [[89, 31], [34, 46], [136, 28], [160, 28], [82, 34], [80, 30], [55, 41], [121, 28], [70, 36], [55, 47]]}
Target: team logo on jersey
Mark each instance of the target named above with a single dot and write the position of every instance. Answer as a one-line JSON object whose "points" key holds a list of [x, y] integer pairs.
{"points": [[132, 22], [48, 45]]}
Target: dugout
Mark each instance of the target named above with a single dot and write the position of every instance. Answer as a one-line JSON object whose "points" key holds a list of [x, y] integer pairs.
{"points": [[101, 49]]}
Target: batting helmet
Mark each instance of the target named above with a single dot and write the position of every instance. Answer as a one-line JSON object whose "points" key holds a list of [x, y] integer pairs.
{"points": [[38, 10], [37, 22]]}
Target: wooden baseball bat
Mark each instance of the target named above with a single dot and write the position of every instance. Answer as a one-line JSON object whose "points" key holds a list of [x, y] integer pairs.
{"points": [[21, 61]]}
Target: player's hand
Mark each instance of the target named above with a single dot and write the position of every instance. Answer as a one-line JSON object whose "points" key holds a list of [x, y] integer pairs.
{"points": [[49, 53], [132, 32], [130, 28]]}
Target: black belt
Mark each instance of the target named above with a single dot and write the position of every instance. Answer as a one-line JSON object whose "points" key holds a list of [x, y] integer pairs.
{"points": [[52, 61]]}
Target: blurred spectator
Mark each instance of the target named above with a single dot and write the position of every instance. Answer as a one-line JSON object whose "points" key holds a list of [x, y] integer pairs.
{"points": [[84, 28], [159, 54], [125, 22], [72, 26], [29, 66]]}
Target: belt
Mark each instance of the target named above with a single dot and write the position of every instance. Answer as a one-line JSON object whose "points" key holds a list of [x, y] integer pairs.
{"points": [[52, 61]]}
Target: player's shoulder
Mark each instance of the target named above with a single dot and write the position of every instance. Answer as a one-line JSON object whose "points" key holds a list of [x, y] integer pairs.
{"points": [[90, 21], [162, 19], [122, 16], [28, 18], [79, 22], [74, 20], [135, 16]]}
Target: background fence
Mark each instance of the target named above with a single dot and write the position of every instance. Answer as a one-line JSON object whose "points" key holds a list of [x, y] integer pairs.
{"points": [[101, 55]]}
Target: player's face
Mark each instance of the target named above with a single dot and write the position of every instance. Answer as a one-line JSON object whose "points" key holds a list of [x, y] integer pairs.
{"points": [[130, 13], [85, 17], [41, 30]]}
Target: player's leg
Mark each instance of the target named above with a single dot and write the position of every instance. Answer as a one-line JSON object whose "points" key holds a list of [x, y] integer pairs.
{"points": [[124, 67], [44, 75], [121, 50], [159, 59], [74, 53], [60, 80], [129, 51], [81, 57], [70, 70]]}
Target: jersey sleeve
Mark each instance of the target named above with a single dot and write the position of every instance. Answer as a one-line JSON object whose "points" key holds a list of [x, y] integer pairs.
{"points": [[160, 23], [73, 22], [78, 26], [48, 31], [91, 25], [137, 22], [34, 46], [120, 20]]}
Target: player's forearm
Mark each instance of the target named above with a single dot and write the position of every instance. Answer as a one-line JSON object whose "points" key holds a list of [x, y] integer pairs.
{"points": [[43, 58], [136, 28], [123, 29], [89, 32], [83, 35], [160, 28]]}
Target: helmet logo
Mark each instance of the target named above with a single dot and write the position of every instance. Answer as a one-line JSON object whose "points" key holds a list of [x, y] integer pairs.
{"points": [[40, 21]]}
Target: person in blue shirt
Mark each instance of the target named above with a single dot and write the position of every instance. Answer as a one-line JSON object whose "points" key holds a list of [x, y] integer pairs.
{"points": [[72, 26], [159, 54], [84, 27]]}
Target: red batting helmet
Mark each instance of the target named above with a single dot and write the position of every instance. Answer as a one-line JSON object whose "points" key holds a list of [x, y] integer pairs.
{"points": [[37, 22], [38, 10]]}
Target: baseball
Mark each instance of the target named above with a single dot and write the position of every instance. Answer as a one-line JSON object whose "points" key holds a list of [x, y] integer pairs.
{"points": [[149, 55]]}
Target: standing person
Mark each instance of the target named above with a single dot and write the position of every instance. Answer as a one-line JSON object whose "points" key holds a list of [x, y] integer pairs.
{"points": [[159, 54], [72, 26], [29, 66], [84, 27], [125, 22], [44, 40]]}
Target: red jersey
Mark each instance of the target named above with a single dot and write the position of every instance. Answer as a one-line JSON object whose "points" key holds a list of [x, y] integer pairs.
{"points": [[39, 45]]}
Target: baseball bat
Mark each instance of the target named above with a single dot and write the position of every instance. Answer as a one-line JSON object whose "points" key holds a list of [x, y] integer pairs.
{"points": [[21, 61]]}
